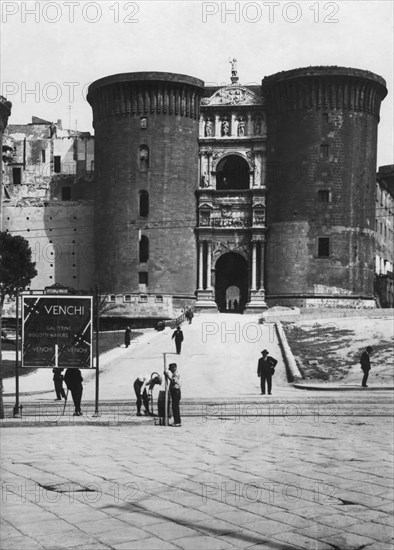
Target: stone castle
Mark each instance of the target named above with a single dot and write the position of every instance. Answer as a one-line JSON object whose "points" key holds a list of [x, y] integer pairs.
{"points": [[221, 198]]}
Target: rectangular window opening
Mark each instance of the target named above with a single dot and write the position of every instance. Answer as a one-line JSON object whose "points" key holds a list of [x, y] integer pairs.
{"points": [[323, 250], [66, 193], [17, 176], [324, 150], [323, 195], [57, 164]]}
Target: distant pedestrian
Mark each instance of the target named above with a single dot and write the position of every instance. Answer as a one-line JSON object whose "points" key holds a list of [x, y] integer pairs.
{"points": [[229, 304], [142, 385], [265, 370], [58, 382], [73, 379], [365, 365], [127, 333], [235, 304], [178, 337], [175, 391], [189, 315]]}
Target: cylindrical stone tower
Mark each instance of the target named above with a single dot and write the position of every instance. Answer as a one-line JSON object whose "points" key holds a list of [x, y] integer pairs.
{"points": [[146, 164], [321, 152]]}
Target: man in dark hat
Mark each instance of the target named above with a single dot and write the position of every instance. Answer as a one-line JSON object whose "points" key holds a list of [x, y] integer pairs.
{"points": [[265, 370], [365, 365], [178, 337], [175, 391]]}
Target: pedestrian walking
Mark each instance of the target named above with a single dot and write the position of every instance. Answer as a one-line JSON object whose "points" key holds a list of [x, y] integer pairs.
{"points": [[73, 379], [178, 337], [174, 379], [142, 385], [58, 383], [365, 365], [265, 370], [189, 315], [127, 333]]}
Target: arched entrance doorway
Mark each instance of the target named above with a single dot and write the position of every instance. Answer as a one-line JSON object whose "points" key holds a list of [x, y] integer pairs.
{"points": [[232, 173], [231, 273]]}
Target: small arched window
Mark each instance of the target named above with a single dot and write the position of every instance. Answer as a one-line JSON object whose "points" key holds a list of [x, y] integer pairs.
{"points": [[144, 249], [144, 204], [144, 158]]}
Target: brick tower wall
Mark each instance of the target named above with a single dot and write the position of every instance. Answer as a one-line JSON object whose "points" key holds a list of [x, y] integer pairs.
{"points": [[170, 105], [322, 136]]}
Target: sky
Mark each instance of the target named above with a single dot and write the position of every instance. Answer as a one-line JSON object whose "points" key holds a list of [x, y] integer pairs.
{"points": [[52, 50]]}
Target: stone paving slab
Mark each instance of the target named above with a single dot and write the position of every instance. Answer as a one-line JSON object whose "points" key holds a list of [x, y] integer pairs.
{"points": [[277, 485]]}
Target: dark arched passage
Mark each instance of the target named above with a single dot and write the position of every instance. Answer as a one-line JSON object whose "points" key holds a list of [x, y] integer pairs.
{"points": [[231, 270]]}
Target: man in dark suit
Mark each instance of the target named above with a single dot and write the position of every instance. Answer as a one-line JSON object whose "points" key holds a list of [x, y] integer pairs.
{"points": [[178, 337], [73, 379], [365, 365], [265, 370]]}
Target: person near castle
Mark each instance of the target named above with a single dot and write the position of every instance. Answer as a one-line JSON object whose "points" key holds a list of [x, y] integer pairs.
{"points": [[142, 385], [265, 370], [178, 337], [365, 365], [58, 383], [174, 379], [73, 379], [127, 338], [189, 315]]}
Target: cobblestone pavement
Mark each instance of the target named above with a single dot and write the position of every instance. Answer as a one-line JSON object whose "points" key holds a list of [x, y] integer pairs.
{"points": [[280, 480]]}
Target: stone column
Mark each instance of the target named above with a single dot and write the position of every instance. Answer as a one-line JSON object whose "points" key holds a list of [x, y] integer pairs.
{"points": [[233, 125], [200, 265], [254, 266], [202, 127], [249, 125], [209, 266], [217, 126]]}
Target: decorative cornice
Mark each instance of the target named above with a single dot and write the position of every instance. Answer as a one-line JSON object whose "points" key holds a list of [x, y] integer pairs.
{"points": [[232, 95]]}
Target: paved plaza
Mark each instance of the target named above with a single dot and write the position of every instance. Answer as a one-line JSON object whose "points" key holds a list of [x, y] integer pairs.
{"points": [[298, 469]]}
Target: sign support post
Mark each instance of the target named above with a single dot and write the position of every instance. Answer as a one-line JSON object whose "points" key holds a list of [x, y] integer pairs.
{"points": [[16, 406], [96, 406]]}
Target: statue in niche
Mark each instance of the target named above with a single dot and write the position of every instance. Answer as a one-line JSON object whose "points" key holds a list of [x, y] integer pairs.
{"points": [[204, 180], [205, 218], [257, 126], [143, 122], [144, 158], [225, 127], [208, 128], [241, 127]]}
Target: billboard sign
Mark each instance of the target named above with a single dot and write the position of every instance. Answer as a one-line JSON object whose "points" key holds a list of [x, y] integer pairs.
{"points": [[57, 331]]}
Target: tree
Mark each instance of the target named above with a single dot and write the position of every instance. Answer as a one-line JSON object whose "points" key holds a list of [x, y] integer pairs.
{"points": [[16, 272]]}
